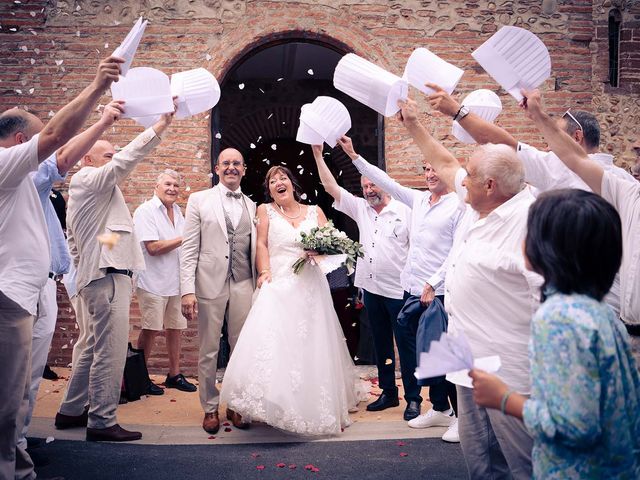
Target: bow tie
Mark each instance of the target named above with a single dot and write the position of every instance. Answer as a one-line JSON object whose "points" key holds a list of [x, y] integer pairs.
{"points": [[236, 195]]}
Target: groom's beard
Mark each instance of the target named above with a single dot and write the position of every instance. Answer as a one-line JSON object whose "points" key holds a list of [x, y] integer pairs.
{"points": [[374, 200]]}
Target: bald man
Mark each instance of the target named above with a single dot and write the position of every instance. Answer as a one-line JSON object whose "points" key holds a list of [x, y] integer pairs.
{"points": [[24, 251], [217, 274], [105, 253]]}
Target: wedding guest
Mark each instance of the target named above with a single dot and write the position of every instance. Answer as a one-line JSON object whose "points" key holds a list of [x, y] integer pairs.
{"points": [[542, 170], [584, 409], [218, 282], [623, 195], [434, 218], [489, 294], [383, 224], [158, 224], [24, 250], [104, 267]]}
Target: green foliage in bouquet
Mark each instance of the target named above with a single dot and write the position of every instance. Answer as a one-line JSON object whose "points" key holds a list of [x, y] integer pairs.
{"points": [[328, 240]]}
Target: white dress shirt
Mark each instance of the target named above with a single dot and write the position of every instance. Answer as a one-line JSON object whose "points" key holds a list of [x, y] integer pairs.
{"points": [[151, 222], [545, 171], [24, 244], [385, 240], [490, 295], [625, 197], [432, 230], [231, 205]]}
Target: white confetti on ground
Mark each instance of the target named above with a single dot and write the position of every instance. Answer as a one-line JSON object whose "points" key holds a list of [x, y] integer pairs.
{"points": [[241, 86], [49, 439], [310, 71], [274, 147], [218, 135]]}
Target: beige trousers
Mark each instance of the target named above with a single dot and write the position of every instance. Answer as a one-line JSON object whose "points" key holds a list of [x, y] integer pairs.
{"points": [[16, 330], [233, 303], [97, 376]]}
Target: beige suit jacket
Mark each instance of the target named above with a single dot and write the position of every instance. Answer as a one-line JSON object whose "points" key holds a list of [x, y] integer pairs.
{"points": [[204, 260]]}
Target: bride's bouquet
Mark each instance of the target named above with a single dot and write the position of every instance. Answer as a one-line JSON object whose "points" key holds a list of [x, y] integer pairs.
{"points": [[333, 247]]}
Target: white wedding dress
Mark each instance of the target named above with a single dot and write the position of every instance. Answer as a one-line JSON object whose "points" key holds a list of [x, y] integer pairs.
{"points": [[290, 367]]}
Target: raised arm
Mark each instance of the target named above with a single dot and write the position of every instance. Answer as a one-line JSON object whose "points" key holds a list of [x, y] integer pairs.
{"points": [[481, 130], [439, 157], [326, 177], [401, 193], [79, 145], [64, 124], [568, 150]]}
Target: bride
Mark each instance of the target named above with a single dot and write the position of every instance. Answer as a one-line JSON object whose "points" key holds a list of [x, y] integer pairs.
{"points": [[290, 367]]}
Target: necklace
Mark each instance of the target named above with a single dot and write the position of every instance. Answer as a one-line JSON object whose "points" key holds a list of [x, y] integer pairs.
{"points": [[288, 216]]}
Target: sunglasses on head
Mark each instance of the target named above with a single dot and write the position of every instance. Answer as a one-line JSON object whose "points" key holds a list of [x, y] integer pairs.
{"points": [[575, 120]]}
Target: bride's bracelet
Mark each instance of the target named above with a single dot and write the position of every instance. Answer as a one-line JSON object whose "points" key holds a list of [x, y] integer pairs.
{"points": [[266, 270]]}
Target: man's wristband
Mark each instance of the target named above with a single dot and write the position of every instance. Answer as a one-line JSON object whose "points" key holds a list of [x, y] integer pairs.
{"points": [[503, 402]]}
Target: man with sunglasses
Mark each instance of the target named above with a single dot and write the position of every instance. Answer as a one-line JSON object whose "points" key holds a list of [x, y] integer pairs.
{"points": [[543, 170]]}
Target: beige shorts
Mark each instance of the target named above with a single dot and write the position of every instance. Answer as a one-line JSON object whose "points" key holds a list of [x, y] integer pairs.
{"points": [[157, 311]]}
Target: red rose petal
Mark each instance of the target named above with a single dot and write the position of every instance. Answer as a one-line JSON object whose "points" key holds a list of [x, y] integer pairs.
{"points": [[211, 437], [227, 429], [281, 465], [255, 455], [404, 454], [260, 467], [314, 469], [292, 466], [400, 444], [226, 424], [308, 467], [173, 400]]}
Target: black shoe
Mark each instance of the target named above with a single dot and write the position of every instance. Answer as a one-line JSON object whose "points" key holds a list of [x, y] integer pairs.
{"points": [[154, 389], [180, 383], [412, 410], [38, 457], [385, 401], [49, 374]]}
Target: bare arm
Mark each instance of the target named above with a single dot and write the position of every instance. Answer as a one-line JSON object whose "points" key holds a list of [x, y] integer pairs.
{"points": [[439, 157], [481, 130], [70, 119], [263, 263], [160, 247], [569, 151], [73, 151], [326, 178], [322, 218]]}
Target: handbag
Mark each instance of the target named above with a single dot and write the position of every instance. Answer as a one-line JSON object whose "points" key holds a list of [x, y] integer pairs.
{"points": [[136, 376]]}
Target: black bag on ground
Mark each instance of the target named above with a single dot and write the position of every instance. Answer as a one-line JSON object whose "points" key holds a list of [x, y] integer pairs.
{"points": [[136, 377]]}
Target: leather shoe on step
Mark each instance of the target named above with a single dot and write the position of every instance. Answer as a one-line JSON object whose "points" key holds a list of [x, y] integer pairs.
{"points": [[180, 383], [385, 401], [211, 422], [62, 421], [154, 389], [236, 419], [112, 434], [412, 410]]}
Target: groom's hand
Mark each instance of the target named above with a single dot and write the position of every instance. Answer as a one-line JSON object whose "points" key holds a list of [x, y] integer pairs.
{"points": [[189, 306]]}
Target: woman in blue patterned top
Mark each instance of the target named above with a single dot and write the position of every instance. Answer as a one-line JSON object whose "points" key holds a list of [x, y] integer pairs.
{"points": [[584, 410]]}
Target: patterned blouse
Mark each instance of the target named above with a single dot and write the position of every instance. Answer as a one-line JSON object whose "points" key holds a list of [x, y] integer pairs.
{"points": [[584, 410]]}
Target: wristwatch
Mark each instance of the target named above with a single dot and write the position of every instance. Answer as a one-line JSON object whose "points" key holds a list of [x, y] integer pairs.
{"points": [[463, 112]]}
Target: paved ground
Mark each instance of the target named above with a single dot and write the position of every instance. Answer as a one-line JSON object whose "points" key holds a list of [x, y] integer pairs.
{"points": [[381, 459]]}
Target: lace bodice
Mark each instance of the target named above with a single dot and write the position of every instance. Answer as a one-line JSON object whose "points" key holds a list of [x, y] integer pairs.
{"points": [[284, 240]]}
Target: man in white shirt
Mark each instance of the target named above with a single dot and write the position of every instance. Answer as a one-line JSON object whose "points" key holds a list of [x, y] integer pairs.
{"points": [[105, 253], [217, 273], [434, 219], [384, 233], [158, 225], [623, 195], [24, 251], [542, 170], [490, 295]]}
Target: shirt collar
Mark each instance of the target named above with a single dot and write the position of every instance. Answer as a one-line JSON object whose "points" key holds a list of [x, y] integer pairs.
{"points": [[225, 189], [602, 158], [156, 202]]}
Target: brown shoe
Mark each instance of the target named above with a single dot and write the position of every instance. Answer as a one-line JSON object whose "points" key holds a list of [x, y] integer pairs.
{"points": [[112, 434], [211, 422], [62, 421], [236, 419]]}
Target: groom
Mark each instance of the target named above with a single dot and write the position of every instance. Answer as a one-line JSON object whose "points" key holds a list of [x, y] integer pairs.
{"points": [[217, 273]]}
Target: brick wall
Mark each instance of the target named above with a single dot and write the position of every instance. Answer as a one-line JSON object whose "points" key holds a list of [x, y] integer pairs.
{"points": [[50, 51]]}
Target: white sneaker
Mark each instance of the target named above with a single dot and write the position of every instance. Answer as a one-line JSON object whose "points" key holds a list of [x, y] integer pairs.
{"points": [[433, 418], [451, 435]]}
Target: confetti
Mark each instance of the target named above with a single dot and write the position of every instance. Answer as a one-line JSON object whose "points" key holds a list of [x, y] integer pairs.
{"points": [[36, 51], [340, 174], [78, 33], [388, 361], [227, 429], [106, 45], [33, 14], [211, 437], [64, 347], [218, 135], [24, 48], [353, 324], [303, 196], [241, 86], [31, 90], [404, 454], [255, 455], [259, 138], [253, 145], [109, 240], [400, 443], [187, 189], [292, 466], [316, 192], [207, 117], [32, 60], [301, 152], [270, 115], [208, 57], [281, 465], [49, 439], [260, 467], [59, 62], [261, 90], [301, 171], [210, 175], [308, 467], [283, 163], [356, 358], [173, 400], [199, 154], [310, 71], [299, 166], [274, 146], [18, 91], [280, 79], [51, 113]]}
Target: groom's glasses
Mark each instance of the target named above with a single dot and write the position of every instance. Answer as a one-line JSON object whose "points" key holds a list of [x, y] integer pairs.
{"points": [[227, 164]]}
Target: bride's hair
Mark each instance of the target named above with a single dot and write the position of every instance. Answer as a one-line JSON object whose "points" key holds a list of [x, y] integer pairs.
{"points": [[297, 189]]}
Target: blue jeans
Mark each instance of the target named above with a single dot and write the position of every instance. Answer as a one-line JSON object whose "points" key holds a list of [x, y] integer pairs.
{"points": [[383, 316]]}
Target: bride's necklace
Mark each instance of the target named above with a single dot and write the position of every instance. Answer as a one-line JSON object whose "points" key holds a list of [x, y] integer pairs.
{"points": [[289, 216]]}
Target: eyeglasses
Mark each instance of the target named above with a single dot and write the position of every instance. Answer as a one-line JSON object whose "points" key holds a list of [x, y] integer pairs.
{"points": [[236, 164], [568, 113]]}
